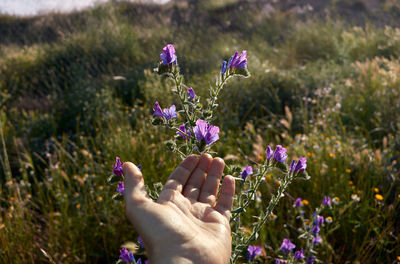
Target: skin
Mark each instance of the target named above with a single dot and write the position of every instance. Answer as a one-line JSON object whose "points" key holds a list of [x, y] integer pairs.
{"points": [[187, 224]]}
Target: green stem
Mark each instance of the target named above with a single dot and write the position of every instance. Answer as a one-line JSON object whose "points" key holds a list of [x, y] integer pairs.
{"points": [[271, 206]]}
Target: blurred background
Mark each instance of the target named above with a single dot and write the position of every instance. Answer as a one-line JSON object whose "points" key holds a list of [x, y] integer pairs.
{"points": [[77, 88]]}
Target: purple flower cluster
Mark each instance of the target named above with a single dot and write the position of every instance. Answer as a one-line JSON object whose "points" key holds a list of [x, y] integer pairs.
{"points": [[117, 169], [253, 251], [298, 203], [126, 256], [287, 246], [248, 170], [121, 188], [279, 155], [205, 132], [299, 166], [235, 62], [168, 55], [299, 254], [191, 93], [168, 113], [326, 201]]}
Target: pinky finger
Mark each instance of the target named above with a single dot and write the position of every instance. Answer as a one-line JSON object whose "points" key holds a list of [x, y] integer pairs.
{"points": [[225, 200]]}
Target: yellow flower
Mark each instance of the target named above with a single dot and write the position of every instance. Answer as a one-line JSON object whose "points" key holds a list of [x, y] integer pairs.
{"points": [[11, 208], [305, 202], [351, 183], [101, 187], [376, 190], [268, 177], [309, 154], [329, 219], [99, 198], [334, 169], [336, 200], [28, 196], [398, 196], [273, 216], [378, 197], [278, 183], [348, 170], [398, 258], [78, 206], [332, 155]]}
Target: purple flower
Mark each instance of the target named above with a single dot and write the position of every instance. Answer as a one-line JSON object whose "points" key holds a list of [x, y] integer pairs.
{"points": [[301, 165], [280, 154], [317, 240], [319, 220], [157, 110], [168, 54], [223, 67], [292, 166], [269, 153], [126, 256], [310, 260], [140, 167], [168, 113], [121, 188], [140, 240], [248, 170], [299, 254], [206, 132], [315, 230], [238, 62], [191, 93], [117, 169], [326, 201], [253, 251], [287, 246], [277, 261], [183, 129], [298, 203]]}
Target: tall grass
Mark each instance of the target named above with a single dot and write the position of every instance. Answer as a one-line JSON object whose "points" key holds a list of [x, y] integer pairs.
{"points": [[77, 90]]}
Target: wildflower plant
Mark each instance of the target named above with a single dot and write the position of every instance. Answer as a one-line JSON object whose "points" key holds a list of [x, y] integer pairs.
{"points": [[194, 131]]}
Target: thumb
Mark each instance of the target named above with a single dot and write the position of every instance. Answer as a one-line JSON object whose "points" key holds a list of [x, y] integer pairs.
{"points": [[135, 191]]}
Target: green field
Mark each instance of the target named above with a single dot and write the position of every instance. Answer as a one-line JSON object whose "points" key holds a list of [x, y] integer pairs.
{"points": [[77, 89]]}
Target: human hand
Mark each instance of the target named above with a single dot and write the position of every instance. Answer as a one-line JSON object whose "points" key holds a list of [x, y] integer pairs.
{"points": [[187, 224]]}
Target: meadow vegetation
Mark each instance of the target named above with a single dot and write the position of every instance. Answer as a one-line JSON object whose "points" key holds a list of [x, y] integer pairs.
{"points": [[77, 89]]}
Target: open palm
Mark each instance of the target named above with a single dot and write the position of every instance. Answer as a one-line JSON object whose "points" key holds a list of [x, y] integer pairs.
{"points": [[187, 224]]}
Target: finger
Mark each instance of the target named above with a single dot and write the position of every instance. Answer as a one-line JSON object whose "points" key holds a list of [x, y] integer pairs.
{"points": [[209, 190], [195, 181], [135, 191], [225, 199], [179, 176]]}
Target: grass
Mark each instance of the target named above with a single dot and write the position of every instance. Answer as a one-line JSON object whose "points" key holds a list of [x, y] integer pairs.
{"points": [[325, 88]]}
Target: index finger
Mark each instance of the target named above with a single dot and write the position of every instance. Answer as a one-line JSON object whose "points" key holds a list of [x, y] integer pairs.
{"points": [[180, 175]]}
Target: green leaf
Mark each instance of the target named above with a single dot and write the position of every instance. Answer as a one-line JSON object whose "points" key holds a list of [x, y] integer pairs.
{"points": [[114, 179], [242, 72], [303, 176], [157, 121], [164, 69], [238, 210], [117, 197], [281, 166]]}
